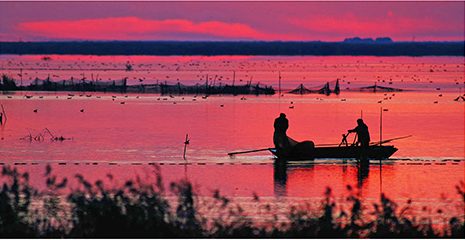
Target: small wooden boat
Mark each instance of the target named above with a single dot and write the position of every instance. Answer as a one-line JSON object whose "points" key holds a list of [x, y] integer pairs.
{"points": [[306, 150], [343, 152]]}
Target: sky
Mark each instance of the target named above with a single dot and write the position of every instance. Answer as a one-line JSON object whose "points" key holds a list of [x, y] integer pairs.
{"points": [[231, 20]]}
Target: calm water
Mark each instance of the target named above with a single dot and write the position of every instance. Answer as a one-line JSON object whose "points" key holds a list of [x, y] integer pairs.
{"points": [[132, 134]]}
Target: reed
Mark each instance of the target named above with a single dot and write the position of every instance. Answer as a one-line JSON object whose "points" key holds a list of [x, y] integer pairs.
{"points": [[141, 210]]}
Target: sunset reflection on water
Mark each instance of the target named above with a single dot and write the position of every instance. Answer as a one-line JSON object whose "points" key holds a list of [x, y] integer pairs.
{"points": [[125, 140]]}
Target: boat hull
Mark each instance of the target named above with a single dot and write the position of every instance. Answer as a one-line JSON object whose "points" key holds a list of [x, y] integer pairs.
{"points": [[372, 152]]}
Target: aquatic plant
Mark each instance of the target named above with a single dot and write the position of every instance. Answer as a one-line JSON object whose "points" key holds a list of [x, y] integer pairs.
{"points": [[136, 210], [15, 200], [142, 209]]}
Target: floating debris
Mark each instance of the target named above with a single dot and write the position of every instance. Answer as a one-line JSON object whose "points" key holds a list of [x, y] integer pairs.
{"points": [[29, 137], [41, 136]]}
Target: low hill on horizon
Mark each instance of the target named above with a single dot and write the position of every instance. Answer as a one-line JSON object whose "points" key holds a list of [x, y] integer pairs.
{"points": [[368, 40], [350, 47]]}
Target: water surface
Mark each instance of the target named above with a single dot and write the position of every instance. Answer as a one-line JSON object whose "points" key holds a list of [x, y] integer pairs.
{"points": [[126, 135]]}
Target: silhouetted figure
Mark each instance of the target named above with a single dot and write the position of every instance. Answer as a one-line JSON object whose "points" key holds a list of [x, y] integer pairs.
{"points": [[280, 139], [364, 140], [362, 133], [1, 118]]}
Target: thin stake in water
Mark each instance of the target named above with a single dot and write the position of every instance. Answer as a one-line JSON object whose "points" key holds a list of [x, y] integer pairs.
{"points": [[381, 127], [50, 133], [3, 114], [185, 146]]}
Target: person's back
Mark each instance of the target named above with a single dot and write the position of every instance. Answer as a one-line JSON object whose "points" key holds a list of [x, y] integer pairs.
{"points": [[364, 135], [280, 139], [362, 132], [281, 124]]}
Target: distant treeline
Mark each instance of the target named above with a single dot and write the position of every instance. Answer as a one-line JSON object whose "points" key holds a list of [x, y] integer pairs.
{"points": [[163, 48]]}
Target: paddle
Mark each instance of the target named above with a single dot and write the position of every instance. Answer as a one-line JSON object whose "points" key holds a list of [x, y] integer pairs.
{"points": [[250, 151]]}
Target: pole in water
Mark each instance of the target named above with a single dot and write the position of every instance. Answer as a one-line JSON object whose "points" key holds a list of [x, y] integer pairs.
{"points": [[4, 116], [380, 144], [380, 177], [381, 126], [185, 146], [206, 84], [234, 77]]}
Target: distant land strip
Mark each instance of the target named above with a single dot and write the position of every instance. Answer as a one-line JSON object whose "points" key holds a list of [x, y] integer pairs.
{"points": [[169, 48]]}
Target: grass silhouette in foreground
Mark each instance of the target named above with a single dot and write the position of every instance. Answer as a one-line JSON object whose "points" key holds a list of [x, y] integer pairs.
{"points": [[142, 210]]}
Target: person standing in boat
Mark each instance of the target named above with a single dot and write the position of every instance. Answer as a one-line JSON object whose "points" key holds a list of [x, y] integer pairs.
{"points": [[362, 133], [280, 139]]}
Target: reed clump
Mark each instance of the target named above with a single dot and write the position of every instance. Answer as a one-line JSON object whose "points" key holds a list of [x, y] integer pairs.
{"points": [[144, 210]]}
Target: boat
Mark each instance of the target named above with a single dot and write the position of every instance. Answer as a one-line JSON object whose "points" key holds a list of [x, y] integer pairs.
{"points": [[343, 152], [306, 150]]}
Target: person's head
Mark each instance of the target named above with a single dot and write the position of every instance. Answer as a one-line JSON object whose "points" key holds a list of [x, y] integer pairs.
{"points": [[360, 121], [282, 115]]}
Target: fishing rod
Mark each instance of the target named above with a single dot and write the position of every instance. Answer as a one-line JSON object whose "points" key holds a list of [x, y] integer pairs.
{"points": [[389, 140]]}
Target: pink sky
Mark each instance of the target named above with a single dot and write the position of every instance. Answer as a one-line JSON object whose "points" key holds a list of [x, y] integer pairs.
{"points": [[231, 21]]}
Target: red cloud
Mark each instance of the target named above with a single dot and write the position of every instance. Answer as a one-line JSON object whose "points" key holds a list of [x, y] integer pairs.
{"points": [[133, 28]]}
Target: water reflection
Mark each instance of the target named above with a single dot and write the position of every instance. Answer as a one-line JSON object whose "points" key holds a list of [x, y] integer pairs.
{"points": [[280, 179], [362, 174], [305, 175]]}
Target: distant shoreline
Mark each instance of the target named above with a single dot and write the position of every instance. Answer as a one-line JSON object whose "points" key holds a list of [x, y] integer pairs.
{"points": [[172, 48]]}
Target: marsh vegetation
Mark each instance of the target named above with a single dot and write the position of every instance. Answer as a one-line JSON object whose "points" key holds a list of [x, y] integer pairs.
{"points": [[140, 209]]}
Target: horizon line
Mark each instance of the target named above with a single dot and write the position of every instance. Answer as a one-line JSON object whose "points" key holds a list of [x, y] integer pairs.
{"points": [[234, 41]]}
